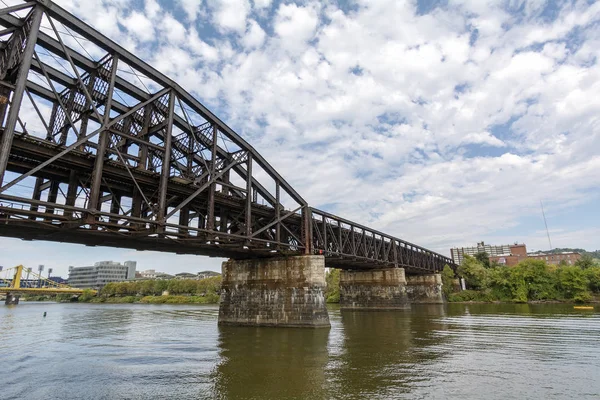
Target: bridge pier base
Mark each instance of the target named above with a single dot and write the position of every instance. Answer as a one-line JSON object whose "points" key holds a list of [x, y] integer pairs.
{"points": [[11, 299], [425, 289], [378, 289], [387, 289], [286, 292]]}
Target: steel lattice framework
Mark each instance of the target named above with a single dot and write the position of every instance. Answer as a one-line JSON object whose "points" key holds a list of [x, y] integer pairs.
{"points": [[103, 149]]}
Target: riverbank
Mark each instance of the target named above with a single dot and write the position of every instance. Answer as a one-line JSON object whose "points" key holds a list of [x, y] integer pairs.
{"points": [[167, 299]]}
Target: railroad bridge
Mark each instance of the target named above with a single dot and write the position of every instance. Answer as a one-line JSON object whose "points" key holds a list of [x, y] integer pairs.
{"points": [[99, 148]]}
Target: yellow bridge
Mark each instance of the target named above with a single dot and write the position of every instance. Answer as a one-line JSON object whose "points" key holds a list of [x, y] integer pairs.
{"points": [[13, 285]]}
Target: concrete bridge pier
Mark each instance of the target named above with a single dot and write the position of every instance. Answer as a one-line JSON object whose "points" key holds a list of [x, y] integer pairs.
{"points": [[387, 289], [11, 299], [286, 292], [425, 289]]}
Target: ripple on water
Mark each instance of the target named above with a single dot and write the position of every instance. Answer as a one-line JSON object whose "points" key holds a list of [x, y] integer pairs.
{"points": [[161, 351]]}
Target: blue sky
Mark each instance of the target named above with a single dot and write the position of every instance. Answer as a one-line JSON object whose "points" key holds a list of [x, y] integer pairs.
{"points": [[441, 122]]}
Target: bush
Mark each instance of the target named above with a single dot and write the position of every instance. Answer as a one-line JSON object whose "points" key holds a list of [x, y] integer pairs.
{"points": [[332, 278], [447, 281], [573, 284], [593, 277], [473, 272], [87, 295]]}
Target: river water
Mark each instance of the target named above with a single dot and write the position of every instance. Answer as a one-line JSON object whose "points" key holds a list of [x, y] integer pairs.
{"points": [[127, 351]]}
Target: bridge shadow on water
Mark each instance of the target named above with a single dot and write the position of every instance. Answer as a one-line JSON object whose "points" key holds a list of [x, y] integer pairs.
{"points": [[271, 363], [381, 354]]}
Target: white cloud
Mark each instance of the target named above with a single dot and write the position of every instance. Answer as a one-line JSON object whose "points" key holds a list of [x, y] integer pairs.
{"points": [[295, 25], [191, 7], [255, 35], [377, 107], [141, 26], [230, 14]]}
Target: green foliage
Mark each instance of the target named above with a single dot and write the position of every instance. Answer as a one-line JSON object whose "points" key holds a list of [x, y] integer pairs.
{"points": [[593, 277], [87, 295], [586, 261], [189, 287], [332, 293], [447, 281], [210, 299], [530, 280], [181, 291], [573, 284], [483, 258], [469, 295], [473, 272]]}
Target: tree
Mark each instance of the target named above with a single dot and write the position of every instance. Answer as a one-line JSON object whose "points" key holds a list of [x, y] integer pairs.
{"points": [[332, 294], [86, 296], [483, 258], [573, 284], [593, 277], [473, 272], [586, 261], [447, 280]]}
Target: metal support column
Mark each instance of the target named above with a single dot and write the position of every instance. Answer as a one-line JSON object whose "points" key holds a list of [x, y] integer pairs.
{"points": [[249, 197], [211, 189], [13, 113], [166, 165]]}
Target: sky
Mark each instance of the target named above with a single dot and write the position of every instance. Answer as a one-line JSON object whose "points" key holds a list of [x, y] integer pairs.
{"points": [[444, 123]]}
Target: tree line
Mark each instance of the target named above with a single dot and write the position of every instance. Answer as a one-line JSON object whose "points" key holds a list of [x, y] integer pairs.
{"points": [[190, 287], [530, 280]]}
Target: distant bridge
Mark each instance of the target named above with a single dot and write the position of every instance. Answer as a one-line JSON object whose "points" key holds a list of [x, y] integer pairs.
{"points": [[99, 148], [13, 283]]}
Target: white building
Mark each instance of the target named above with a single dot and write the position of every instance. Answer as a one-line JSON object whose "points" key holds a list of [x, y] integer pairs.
{"points": [[458, 253], [101, 273]]}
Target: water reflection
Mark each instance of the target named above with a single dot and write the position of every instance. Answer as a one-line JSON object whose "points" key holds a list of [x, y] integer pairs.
{"points": [[133, 351], [384, 351], [271, 363]]}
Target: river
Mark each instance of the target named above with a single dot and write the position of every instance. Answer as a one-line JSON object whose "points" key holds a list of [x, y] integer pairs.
{"points": [[457, 351]]}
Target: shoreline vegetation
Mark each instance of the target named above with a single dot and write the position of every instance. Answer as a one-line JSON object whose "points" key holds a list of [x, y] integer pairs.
{"points": [[171, 291], [530, 281]]}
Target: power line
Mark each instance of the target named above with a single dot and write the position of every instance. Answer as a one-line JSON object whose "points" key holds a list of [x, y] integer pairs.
{"points": [[545, 223]]}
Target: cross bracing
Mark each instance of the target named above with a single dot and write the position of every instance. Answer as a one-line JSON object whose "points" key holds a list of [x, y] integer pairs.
{"points": [[98, 147]]}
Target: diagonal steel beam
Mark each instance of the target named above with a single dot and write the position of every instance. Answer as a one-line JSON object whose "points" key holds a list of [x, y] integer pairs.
{"points": [[82, 140]]}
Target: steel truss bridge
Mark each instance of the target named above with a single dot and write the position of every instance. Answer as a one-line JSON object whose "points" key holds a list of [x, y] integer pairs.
{"points": [[99, 148]]}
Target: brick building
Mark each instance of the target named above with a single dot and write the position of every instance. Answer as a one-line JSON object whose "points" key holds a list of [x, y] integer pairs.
{"points": [[567, 257], [516, 254], [512, 254]]}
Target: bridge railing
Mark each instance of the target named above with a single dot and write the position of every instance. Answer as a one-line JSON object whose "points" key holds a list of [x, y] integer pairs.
{"points": [[348, 244]]}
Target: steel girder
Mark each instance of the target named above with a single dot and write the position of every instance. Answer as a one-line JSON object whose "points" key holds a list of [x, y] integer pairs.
{"points": [[111, 162]]}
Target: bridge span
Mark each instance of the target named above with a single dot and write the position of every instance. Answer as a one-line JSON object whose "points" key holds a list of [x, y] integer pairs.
{"points": [[99, 148]]}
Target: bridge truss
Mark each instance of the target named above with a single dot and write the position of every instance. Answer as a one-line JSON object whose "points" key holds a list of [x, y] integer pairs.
{"points": [[97, 147]]}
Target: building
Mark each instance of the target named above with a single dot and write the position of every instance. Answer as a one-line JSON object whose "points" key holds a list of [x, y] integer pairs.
{"points": [[207, 274], [568, 257], [497, 253], [101, 273], [153, 274]]}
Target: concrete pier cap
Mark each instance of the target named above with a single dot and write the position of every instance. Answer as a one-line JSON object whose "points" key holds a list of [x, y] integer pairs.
{"points": [[283, 292]]}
